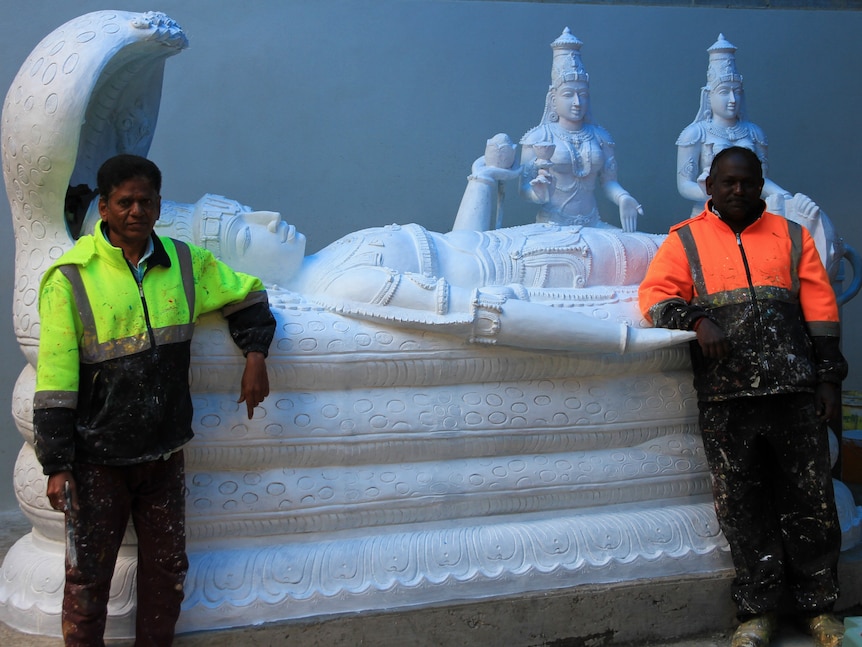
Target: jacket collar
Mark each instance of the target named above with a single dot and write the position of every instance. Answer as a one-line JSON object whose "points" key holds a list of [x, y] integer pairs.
{"points": [[158, 257], [710, 207]]}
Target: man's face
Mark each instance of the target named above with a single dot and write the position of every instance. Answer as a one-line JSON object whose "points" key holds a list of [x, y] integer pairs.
{"points": [[735, 187], [130, 211]]}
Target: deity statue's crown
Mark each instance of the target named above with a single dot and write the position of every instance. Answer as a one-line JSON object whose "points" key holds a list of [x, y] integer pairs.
{"points": [[567, 65], [722, 63]]}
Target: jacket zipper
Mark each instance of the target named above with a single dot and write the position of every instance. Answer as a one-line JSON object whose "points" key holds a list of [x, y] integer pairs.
{"points": [[764, 364], [150, 332]]}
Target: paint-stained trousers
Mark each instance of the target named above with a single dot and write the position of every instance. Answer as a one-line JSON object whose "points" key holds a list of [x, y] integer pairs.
{"points": [[153, 495], [769, 458]]}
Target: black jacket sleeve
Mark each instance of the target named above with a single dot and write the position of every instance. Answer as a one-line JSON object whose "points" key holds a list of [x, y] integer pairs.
{"points": [[54, 431], [252, 328], [830, 363]]}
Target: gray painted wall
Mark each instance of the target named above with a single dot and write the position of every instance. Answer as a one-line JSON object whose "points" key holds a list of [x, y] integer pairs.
{"points": [[351, 114]]}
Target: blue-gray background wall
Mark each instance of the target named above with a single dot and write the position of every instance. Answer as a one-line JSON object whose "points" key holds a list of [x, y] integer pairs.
{"points": [[351, 114]]}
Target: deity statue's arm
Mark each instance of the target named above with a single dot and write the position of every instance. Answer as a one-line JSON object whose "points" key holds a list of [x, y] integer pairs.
{"points": [[629, 208], [537, 183], [770, 188], [688, 172], [484, 189], [474, 212], [496, 315]]}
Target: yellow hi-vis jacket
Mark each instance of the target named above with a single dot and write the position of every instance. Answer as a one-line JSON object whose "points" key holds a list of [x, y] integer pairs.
{"points": [[112, 374]]}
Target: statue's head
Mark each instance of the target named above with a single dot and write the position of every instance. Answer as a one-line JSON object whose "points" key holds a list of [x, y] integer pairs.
{"points": [[722, 96], [570, 101], [569, 92], [725, 100], [261, 243]]}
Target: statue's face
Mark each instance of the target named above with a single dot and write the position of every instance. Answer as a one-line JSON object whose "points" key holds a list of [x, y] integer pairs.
{"points": [[571, 100], [263, 244], [725, 100]]}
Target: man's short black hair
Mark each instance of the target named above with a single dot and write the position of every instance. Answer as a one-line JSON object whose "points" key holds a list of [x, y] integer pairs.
{"points": [[120, 168], [753, 159]]}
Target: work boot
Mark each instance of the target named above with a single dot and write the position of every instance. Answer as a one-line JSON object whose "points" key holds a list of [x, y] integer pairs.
{"points": [[826, 629], [755, 632]]}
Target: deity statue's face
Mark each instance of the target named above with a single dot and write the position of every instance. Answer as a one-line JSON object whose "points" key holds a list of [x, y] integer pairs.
{"points": [[725, 100], [571, 101], [261, 243]]}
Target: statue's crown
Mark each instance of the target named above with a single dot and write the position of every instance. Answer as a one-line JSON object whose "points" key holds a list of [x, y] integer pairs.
{"points": [[567, 65], [722, 63]]}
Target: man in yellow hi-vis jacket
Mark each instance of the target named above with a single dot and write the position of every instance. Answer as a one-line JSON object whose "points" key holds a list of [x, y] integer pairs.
{"points": [[112, 408]]}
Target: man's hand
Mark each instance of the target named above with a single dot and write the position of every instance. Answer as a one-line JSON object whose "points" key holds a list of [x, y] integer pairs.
{"points": [[711, 338], [57, 490], [826, 401], [255, 381]]}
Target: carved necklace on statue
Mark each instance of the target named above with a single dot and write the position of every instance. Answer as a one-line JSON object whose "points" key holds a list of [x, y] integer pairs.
{"points": [[576, 142], [729, 133]]}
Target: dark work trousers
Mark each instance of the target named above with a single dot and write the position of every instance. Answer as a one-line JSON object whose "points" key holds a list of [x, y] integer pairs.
{"points": [[153, 494], [769, 458]]}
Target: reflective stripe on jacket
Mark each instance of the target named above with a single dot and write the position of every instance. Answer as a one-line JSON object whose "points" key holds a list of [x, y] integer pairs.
{"points": [[765, 287]]}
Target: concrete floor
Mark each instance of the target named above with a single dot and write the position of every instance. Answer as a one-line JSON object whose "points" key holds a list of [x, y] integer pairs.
{"points": [[529, 621]]}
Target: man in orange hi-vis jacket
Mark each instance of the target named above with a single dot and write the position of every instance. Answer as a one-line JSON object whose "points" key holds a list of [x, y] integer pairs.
{"points": [[767, 370]]}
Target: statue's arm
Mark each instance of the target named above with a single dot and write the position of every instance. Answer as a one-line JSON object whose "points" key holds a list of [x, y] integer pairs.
{"points": [[761, 147], [485, 186], [536, 183], [688, 172], [499, 316], [629, 208]]}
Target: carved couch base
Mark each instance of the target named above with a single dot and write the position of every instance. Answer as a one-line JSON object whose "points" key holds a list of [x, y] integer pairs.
{"points": [[392, 469]]}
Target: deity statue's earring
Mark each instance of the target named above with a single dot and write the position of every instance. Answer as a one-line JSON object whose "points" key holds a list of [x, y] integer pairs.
{"points": [[553, 116]]}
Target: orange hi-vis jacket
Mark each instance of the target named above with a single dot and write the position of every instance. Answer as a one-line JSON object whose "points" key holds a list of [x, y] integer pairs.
{"points": [[765, 287]]}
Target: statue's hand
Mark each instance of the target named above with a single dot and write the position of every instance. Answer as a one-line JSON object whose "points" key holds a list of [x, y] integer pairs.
{"points": [[701, 181], [492, 173], [542, 186], [629, 212], [806, 208]]}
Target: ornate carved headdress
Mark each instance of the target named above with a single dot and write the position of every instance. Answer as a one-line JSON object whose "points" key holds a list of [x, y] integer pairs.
{"points": [[722, 64], [567, 65]]}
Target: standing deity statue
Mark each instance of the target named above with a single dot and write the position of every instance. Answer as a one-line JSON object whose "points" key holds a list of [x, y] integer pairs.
{"points": [[566, 155], [722, 122]]}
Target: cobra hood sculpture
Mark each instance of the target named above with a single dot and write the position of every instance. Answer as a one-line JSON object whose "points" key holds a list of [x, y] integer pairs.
{"points": [[89, 90]]}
